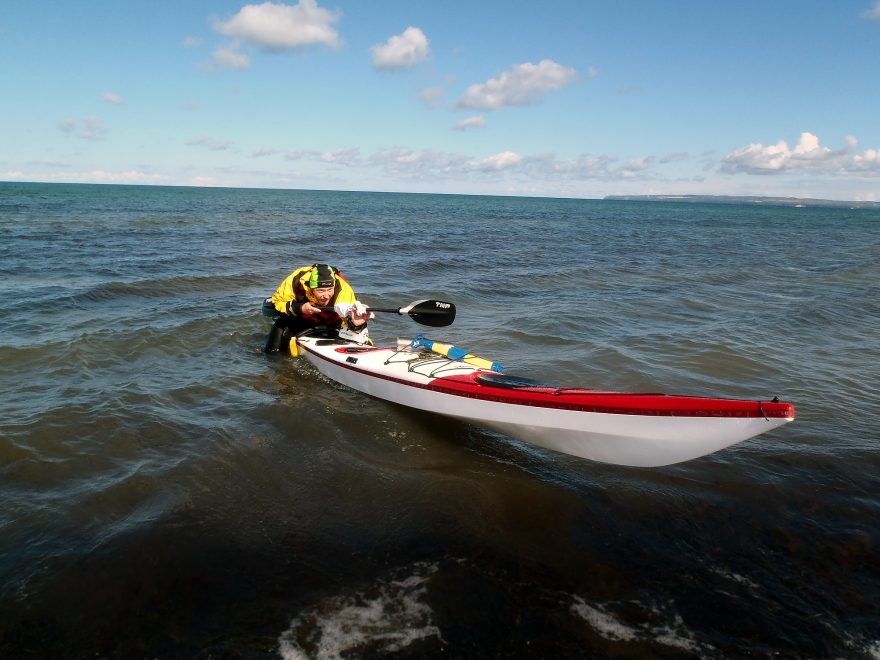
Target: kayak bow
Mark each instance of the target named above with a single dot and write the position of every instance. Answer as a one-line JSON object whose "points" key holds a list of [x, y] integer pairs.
{"points": [[639, 430]]}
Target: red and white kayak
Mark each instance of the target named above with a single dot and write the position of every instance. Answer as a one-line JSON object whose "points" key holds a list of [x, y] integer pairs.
{"points": [[640, 430]]}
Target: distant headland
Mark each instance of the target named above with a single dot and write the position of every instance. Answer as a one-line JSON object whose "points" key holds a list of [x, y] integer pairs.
{"points": [[731, 199]]}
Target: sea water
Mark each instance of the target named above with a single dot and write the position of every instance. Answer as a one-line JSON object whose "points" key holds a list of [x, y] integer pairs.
{"points": [[168, 490]]}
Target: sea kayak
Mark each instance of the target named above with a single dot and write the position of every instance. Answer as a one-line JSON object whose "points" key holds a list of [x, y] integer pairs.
{"points": [[639, 430]]}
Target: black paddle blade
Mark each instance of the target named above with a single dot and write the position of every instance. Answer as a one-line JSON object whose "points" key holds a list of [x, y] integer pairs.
{"points": [[434, 313]]}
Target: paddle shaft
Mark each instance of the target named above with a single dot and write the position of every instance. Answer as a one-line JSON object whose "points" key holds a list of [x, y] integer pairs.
{"points": [[396, 310], [434, 313]]}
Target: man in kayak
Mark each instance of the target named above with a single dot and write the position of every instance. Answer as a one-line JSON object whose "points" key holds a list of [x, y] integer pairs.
{"points": [[312, 296]]}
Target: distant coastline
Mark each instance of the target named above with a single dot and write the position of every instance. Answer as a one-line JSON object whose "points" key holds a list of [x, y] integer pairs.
{"points": [[795, 202], [731, 199]]}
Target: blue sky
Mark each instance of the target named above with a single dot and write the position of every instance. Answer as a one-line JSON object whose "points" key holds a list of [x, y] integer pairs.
{"points": [[568, 98]]}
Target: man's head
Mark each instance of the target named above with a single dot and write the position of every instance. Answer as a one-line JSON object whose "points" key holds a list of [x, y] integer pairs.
{"points": [[322, 281]]}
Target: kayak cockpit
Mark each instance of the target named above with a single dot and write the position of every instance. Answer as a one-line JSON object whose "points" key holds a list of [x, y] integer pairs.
{"points": [[509, 382]]}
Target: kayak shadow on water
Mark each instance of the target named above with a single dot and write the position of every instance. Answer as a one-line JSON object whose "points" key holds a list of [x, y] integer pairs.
{"points": [[462, 447], [388, 433], [381, 432]]}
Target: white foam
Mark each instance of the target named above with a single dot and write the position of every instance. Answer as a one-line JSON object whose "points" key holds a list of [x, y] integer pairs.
{"points": [[677, 637], [603, 623], [391, 618], [872, 649], [674, 635]]}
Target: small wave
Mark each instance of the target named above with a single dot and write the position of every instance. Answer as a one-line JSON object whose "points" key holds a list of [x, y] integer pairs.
{"points": [[386, 618], [736, 578], [160, 288]]}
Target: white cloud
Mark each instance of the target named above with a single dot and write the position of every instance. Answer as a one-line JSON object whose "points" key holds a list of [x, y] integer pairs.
{"points": [[347, 157], [426, 164], [104, 176], [192, 42], [524, 84], [582, 168], [633, 167], [402, 51], [300, 154], [110, 97], [469, 123], [209, 143], [91, 128], [229, 58], [867, 162], [502, 161], [280, 27], [264, 151], [8, 175], [429, 165], [807, 156], [873, 13], [129, 176], [808, 144], [592, 72]]}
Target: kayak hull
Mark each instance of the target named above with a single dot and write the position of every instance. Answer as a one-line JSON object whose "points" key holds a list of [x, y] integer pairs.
{"points": [[638, 430]]}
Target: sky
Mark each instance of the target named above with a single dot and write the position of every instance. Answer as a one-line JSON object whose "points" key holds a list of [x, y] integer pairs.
{"points": [[581, 98]]}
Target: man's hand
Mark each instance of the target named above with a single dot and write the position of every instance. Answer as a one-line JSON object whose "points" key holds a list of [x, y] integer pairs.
{"points": [[360, 314], [343, 309], [357, 312]]}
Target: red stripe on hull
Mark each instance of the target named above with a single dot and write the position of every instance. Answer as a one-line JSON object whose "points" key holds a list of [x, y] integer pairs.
{"points": [[616, 403]]}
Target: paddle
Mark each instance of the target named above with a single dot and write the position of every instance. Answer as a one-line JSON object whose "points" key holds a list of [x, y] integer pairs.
{"points": [[434, 313]]}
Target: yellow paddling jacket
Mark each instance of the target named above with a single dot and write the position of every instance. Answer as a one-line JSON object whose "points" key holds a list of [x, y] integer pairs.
{"points": [[294, 291]]}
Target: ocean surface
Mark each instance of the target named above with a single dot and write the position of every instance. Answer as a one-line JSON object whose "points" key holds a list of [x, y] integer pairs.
{"points": [[169, 491]]}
